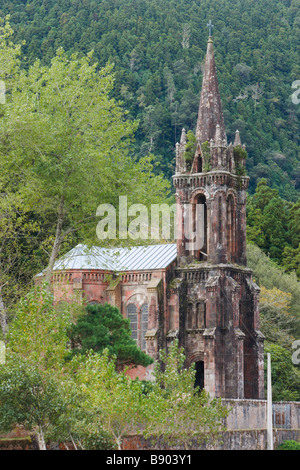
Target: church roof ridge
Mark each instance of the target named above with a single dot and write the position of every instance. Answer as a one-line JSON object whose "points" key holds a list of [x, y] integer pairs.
{"points": [[131, 258]]}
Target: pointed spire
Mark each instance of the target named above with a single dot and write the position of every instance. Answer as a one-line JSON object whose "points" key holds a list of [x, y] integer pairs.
{"points": [[183, 137], [210, 108], [237, 139]]}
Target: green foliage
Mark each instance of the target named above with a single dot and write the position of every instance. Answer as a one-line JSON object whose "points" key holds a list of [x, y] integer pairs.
{"points": [[291, 260], [97, 439], [177, 413], [285, 377], [240, 156], [103, 327], [269, 275], [112, 401], [10, 54], [52, 405], [38, 332], [279, 317], [289, 445], [29, 397], [190, 149], [277, 324], [51, 182], [205, 149], [158, 50], [85, 130], [273, 225]]}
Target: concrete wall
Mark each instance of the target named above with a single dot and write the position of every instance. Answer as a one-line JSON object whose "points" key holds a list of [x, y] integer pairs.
{"points": [[252, 414]]}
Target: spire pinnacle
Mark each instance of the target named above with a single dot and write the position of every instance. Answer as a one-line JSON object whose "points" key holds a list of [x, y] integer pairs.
{"points": [[210, 108], [237, 139]]}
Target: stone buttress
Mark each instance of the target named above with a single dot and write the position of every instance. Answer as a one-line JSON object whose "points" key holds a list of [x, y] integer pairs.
{"points": [[218, 302]]}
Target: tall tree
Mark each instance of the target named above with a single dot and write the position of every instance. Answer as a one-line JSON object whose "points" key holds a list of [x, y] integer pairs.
{"points": [[103, 327], [176, 412], [30, 398], [12, 221], [113, 400], [71, 142]]}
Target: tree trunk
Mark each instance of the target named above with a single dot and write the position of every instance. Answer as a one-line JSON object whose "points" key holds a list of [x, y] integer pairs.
{"points": [[3, 316], [56, 245], [41, 439]]}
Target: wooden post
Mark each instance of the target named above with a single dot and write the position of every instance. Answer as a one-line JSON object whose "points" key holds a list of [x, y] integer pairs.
{"points": [[269, 406]]}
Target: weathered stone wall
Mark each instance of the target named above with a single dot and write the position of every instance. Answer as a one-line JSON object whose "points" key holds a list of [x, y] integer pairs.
{"points": [[252, 414], [246, 427], [248, 439]]}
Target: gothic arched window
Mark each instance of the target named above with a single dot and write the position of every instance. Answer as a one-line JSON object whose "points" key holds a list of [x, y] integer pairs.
{"points": [[132, 316], [201, 314], [231, 228], [144, 325], [190, 317]]}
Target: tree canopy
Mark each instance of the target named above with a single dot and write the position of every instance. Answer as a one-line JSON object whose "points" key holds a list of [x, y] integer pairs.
{"points": [[102, 327], [158, 50]]}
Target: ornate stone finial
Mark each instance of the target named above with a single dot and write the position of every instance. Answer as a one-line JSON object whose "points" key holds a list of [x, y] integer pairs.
{"points": [[237, 139], [210, 27], [218, 136]]}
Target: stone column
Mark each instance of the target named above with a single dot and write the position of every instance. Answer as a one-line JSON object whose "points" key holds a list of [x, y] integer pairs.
{"points": [[210, 372], [153, 333]]}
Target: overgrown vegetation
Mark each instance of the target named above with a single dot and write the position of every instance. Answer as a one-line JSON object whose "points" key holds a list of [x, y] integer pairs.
{"points": [[86, 400], [289, 445], [102, 327], [279, 318], [273, 225], [190, 149], [65, 148]]}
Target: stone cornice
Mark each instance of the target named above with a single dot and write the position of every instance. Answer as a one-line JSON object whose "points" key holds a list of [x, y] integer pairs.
{"points": [[217, 177]]}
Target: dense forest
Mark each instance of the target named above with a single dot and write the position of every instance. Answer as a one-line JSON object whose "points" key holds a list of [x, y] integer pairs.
{"points": [[158, 49]]}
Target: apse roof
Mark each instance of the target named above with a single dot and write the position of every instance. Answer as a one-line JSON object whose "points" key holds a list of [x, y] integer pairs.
{"points": [[118, 259]]}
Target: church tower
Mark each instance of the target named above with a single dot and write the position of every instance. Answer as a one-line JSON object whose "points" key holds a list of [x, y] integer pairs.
{"points": [[218, 302]]}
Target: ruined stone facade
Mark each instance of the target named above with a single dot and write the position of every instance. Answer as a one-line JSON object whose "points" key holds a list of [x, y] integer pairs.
{"points": [[218, 300], [205, 295]]}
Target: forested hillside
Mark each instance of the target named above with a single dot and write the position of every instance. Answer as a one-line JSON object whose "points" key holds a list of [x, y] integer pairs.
{"points": [[158, 48]]}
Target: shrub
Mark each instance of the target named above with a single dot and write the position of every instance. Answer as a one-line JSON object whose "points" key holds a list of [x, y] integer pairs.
{"points": [[289, 445]]}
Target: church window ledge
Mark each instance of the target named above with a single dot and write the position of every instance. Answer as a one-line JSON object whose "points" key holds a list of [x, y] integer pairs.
{"points": [[193, 331]]}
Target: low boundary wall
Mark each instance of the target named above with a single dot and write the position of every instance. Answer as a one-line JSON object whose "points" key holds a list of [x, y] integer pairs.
{"points": [[252, 414], [246, 429], [246, 426]]}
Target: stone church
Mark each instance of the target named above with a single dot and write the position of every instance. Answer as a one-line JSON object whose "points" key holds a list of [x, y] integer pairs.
{"points": [[203, 295]]}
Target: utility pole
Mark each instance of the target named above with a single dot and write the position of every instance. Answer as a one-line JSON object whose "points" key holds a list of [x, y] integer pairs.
{"points": [[269, 406]]}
